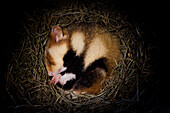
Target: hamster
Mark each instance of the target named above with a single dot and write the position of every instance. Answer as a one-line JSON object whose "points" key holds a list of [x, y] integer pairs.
{"points": [[83, 55]]}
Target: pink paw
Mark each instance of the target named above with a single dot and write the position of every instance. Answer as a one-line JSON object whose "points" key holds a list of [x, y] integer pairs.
{"points": [[55, 79]]}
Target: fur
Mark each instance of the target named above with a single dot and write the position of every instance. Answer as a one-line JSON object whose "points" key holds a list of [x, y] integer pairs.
{"points": [[88, 51]]}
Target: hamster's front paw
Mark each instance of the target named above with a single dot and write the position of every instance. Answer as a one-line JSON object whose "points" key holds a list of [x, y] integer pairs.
{"points": [[55, 79]]}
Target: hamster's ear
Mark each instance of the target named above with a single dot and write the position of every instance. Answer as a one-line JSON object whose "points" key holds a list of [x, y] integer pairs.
{"points": [[57, 33]]}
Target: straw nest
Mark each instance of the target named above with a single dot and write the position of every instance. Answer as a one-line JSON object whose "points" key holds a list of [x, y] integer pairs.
{"points": [[28, 83]]}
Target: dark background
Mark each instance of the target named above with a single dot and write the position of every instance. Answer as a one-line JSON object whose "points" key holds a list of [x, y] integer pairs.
{"points": [[155, 99]]}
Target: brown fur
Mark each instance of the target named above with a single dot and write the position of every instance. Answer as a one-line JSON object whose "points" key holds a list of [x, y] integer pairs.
{"points": [[94, 37], [51, 62], [110, 45]]}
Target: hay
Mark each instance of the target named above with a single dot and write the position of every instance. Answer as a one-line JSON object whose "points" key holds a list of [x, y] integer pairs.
{"points": [[27, 80]]}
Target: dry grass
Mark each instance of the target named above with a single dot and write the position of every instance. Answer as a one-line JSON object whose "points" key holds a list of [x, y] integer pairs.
{"points": [[27, 81]]}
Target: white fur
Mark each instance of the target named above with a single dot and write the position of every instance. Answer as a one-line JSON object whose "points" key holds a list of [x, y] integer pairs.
{"points": [[62, 69], [95, 51], [78, 43], [67, 77]]}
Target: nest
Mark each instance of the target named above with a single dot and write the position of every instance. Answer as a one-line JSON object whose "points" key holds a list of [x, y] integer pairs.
{"points": [[28, 83]]}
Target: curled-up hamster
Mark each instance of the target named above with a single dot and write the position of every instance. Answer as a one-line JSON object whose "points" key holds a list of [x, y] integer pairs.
{"points": [[81, 56]]}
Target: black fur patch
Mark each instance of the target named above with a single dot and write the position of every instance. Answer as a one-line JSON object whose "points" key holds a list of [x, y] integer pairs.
{"points": [[74, 65], [100, 63], [91, 74], [88, 78]]}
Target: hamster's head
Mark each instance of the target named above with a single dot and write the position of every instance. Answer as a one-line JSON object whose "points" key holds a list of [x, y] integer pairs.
{"points": [[56, 48], [54, 65]]}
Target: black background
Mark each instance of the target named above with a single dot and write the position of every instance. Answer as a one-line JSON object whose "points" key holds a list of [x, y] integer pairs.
{"points": [[156, 98]]}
